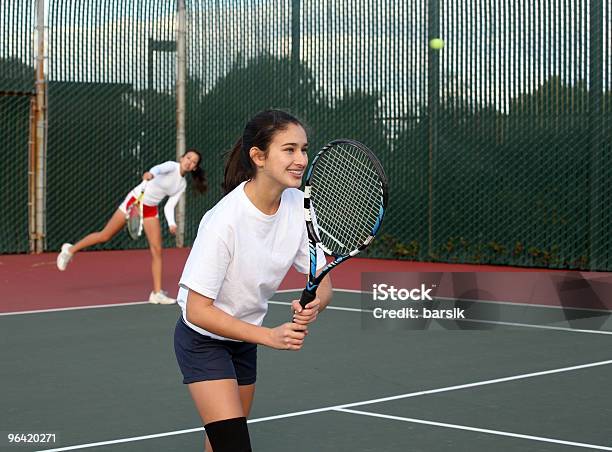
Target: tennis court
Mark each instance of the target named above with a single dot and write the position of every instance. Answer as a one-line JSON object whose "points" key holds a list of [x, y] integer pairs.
{"points": [[105, 378], [493, 123]]}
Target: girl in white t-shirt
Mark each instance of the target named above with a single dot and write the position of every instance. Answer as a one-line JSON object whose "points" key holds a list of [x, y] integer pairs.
{"points": [[165, 179], [244, 248]]}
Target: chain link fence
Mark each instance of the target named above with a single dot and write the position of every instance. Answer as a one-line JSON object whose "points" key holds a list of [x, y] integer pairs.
{"points": [[111, 110], [14, 135], [497, 146], [16, 94]]}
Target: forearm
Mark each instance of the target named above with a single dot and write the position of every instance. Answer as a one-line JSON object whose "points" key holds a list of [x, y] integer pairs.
{"points": [[169, 214], [201, 312], [325, 292], [169, 208]]}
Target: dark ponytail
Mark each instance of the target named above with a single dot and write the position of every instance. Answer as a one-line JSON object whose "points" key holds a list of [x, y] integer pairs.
{"points": [[198, 176], [258, 132], [238, 167]]}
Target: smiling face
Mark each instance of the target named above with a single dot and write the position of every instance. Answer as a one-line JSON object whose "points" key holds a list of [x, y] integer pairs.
{"points": [[189, 162], [286, 158]]}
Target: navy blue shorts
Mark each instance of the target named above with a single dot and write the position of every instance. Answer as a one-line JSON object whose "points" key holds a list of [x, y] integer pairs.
{"points": [[202, 358]]}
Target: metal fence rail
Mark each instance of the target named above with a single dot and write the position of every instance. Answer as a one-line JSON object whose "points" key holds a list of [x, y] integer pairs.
{"points": [[498, 146]]}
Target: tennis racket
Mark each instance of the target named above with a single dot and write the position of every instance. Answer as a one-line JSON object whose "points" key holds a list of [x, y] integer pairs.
{"points": [[135, 215], [345, 197]]}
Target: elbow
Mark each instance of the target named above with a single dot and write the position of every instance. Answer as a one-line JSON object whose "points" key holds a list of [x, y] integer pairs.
{"points": [[196, 314], [197, 309], [189, 314]]}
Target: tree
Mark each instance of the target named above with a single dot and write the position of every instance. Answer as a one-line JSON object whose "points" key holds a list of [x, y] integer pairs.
{"points": [[217, 116], [15, 77]]}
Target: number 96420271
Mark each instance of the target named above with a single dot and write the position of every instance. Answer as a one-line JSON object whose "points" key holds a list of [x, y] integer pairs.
{"points": [[15, 438]]}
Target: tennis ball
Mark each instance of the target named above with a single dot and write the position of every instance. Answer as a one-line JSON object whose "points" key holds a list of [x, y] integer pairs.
{"points": [[436, 43]]}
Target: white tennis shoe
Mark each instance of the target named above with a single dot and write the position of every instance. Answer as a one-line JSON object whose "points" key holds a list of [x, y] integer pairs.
{"points": [[161, 297], [64, 257]]}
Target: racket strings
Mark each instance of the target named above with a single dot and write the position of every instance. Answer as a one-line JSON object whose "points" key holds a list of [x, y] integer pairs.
{"points": [[356, 209], [358, 168], [134, 217], [344, 233], [133, 221], [135, 214], [347, 196]]}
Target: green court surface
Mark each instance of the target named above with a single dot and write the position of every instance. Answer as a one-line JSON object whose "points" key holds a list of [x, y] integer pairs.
{"points": [[108, 375]]}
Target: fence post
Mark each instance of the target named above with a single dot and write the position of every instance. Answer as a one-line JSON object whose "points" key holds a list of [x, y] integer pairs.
{"points": [[433, 101], [598, 216], [39, 157], [295, 50], [180, 112]]}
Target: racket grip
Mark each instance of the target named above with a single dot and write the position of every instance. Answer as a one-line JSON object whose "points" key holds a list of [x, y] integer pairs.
{"points": [[307, 297]]}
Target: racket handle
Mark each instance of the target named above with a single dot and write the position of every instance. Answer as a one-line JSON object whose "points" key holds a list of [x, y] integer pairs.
{"points": [[307, 297]]}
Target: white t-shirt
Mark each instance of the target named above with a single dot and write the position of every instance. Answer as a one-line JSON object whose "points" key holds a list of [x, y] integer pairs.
{"points": [[241, 255], [167, 182]]}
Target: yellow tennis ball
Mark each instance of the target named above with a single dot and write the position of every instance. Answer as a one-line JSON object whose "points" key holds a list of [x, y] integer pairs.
{"points": [[436, 43]]}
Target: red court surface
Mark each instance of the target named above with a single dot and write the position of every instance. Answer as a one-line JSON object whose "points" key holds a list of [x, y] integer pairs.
{"points": [[32, 282]]}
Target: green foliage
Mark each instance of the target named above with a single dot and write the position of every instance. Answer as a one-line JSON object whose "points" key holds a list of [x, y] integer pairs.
{"points": [[389, 246], [16, 75], [216, 117], [14, 150]]}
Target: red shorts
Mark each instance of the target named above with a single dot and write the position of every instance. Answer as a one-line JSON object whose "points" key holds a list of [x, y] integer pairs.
{"points": [[148, 211]]}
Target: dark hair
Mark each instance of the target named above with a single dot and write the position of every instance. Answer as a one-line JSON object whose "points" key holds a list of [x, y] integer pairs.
{"points": [[198, 176], [258, 132]]}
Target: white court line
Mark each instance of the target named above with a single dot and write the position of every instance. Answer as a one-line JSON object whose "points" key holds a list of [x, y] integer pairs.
{"points": [[73, 308], [334, 308], [479, 430], [475, 300], [125, 440], [349, 405], [542, 327], [492, 322], [519, 304]]}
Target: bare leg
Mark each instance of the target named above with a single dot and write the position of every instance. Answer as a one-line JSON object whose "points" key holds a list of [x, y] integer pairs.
{"points": [[216, 400], [111, 229], [247, 392], [153, 232]]}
